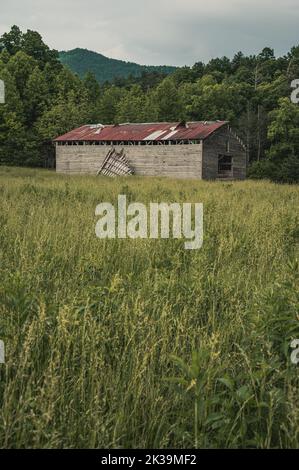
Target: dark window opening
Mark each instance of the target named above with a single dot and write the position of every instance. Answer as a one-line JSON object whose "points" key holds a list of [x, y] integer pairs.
{"points": [[225, 164]]}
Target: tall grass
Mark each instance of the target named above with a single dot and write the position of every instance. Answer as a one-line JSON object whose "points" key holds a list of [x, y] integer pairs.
{"points": [[122, 343]]}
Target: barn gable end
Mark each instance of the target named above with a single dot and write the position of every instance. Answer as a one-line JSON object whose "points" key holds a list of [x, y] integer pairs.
{"points": [[224, 156]]}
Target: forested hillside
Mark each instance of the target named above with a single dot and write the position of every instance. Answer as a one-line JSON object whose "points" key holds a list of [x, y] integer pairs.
{"points": [[45, 99], [105, 69]]}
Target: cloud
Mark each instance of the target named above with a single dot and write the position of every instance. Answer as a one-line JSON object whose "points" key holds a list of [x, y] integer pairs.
{"points": [[160, 31]]}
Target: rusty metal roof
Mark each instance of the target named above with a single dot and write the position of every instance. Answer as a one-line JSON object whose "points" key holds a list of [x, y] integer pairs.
{"points": [[163, 131]]}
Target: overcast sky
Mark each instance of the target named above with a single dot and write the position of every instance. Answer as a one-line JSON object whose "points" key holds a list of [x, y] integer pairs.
{"points": [[172, 32]]}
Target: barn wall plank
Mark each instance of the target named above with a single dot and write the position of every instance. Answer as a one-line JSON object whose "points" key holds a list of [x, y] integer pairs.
{"points": [[177, 161]]}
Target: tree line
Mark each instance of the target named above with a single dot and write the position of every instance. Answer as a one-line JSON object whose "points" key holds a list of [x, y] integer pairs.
{"points": [[44, 99]]}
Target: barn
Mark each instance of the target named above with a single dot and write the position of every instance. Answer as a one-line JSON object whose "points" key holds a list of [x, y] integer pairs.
{"points": [[202, 150]]}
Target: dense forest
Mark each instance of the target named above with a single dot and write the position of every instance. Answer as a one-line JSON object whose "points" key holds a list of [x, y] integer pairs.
{"points": [[45, 99], [105, 69]]}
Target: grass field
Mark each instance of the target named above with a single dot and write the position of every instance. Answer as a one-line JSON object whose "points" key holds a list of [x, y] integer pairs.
{"points": [[122, 343]]}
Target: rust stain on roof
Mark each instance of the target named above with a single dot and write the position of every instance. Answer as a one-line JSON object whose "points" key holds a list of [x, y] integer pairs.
{"points": [[163, 131]]}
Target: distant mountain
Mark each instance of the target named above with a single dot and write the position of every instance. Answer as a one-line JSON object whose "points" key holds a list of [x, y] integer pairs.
{"points": [[82, 61]]}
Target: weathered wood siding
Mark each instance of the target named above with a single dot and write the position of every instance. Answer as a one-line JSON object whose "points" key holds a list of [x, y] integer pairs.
{"points": [[217, 145], [177, 161]]}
